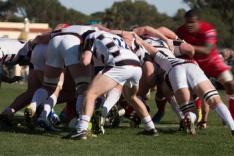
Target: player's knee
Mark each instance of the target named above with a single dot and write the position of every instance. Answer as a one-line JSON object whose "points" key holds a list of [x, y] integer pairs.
{"points": [[91, 95], [212, 98], [81, 88]]}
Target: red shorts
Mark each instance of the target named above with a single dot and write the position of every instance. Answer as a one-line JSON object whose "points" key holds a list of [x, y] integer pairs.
{"points": [[213, 67]]}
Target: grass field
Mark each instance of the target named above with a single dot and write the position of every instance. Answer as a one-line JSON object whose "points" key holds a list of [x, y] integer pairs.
{"points": [[216, 140]]}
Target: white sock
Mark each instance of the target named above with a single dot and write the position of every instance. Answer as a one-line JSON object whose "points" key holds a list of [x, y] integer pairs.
{"points": [[79, 103], [224, 113], [39, 97], [148, 123], [175, 107], [112, 98], [49, 104], [83, 123]]}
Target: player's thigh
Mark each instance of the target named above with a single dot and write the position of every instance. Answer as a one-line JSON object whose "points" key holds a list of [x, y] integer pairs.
{"points": [[203, 88], [70, 48], [178, 78], [54, 54], [194, 75], [183, 95], [100, 85]]}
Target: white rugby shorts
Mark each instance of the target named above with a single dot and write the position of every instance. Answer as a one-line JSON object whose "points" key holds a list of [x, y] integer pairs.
{"points": [[38, 56], [63, 50], [121, 74], [186, 75]]}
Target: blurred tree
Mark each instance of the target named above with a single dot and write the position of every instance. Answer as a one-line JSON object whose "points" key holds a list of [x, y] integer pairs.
{"points": [[49, 11], [7, 11], [125, 14]]}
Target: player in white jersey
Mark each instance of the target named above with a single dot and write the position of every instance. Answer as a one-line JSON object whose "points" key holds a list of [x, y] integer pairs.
{"points": [[121, 65], [9, 54], [185, 74], [34, 78], [113, 96], [150, 35], [63, 51], [7, 51]]}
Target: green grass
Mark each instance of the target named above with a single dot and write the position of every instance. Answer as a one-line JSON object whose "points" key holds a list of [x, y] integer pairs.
{"points": [[216, 140]]}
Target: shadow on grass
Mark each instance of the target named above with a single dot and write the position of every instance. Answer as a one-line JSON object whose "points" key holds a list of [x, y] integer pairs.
{"points": [[17, 125]]}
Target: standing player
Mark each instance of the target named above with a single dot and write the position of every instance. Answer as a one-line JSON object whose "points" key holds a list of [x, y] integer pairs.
{"points": [[202, 36]]}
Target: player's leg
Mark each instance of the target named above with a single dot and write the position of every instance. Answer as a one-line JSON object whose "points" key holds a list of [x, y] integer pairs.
{"points": [[179, 83], [94, 91], [226, 79], [139, 106], [130, 93], [51, 101], [160, 101], [205, 89], [210, 95], [51, 82], [34, 82]]}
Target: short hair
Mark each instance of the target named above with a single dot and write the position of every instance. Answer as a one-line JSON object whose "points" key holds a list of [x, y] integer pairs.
{"points": [[192, 13]]}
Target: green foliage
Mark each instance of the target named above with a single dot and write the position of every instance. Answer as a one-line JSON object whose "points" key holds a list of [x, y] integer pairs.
{"points": [[123, 15], [48, 11]]}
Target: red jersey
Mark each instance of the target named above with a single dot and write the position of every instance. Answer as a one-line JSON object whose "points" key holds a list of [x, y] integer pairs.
{"points": [[211, 63]]}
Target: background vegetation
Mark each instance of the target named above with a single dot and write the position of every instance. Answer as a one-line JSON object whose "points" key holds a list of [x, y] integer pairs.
{"points": [[123, 15]]}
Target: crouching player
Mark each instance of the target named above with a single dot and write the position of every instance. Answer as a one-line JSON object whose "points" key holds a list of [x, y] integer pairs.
{"points": [[185, 74], [121, 65]]}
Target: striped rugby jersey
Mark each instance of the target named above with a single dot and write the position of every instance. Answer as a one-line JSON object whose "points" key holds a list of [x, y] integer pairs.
{"points": [[165, 58], [109, 49]]}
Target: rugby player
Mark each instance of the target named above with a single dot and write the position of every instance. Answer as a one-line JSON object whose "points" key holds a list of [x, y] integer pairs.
{"points": [[121, 65]]}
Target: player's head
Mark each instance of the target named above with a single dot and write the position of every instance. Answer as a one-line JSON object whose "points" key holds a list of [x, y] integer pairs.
{"points": [[191, 20]]}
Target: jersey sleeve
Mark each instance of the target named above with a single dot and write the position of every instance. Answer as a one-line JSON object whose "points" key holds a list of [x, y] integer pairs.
{"points": [[210, 36]]}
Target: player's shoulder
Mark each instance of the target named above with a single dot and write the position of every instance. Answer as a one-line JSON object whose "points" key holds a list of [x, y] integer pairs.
{"points": [[205, 26]]}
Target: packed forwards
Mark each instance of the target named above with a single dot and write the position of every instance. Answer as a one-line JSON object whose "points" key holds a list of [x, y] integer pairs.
{"points": [[75, 48], [185, 74]]}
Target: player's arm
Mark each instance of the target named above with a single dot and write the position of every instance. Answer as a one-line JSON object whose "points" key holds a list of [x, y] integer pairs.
{"points": [[151, 50], [127, 36], [147, 30], [183, 48], [88, 48], [168, 33], [86, 57], [203, 50]]}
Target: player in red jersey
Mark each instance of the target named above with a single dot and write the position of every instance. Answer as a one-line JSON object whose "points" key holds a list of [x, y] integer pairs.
{"points": [[202, 36]]}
